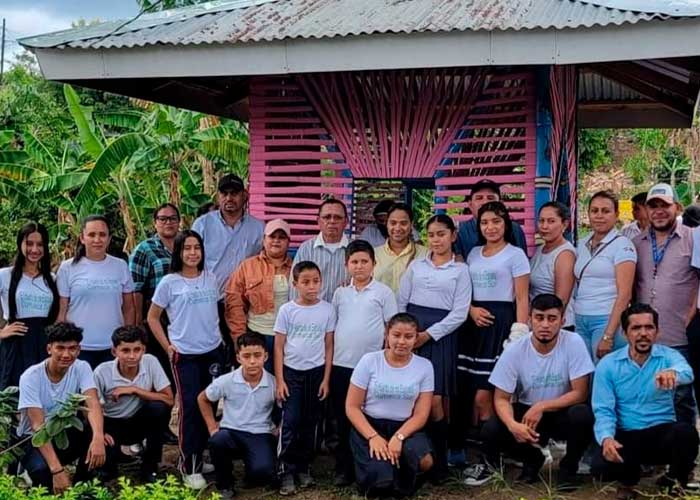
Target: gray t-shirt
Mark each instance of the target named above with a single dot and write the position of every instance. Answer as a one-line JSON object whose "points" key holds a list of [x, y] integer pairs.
{"points": [[534, 377], [305, 328], [246, 408], [37, 391], [150, 377], [392, 392], [542, 272]]}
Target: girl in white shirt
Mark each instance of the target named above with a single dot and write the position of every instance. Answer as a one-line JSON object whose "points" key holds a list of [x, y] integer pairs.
{"points": [[189, 295], [29, 303], [96, 291], [437, 291], [552, 266], [500, 275], [388, 404]]}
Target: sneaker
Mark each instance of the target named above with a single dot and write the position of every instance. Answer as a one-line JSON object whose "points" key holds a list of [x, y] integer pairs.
{"points": [[227, 494], [194, 481], [477, 474], [305, 480], [207, 468], [287, 486], [547, 454], [24, 476]]}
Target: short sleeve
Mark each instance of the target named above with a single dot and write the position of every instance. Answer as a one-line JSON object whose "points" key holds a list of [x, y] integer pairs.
{"points": [[215, 390], [695, 256], [127, 280], [427, 382], [332, 319], [161, 297], [4, 280], [160, 379], [281, 321], [361, 374], [63, 280], [389, 307], [520, 266], [100, 384], [29, 391], [86, 380], [624, 251], [504, 375], [580, 363]]}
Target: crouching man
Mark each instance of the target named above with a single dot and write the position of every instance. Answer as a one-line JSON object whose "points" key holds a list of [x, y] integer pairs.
{"points": [[635, 421], [246, 428], [43, 388], [548, 371], [136, 398]]}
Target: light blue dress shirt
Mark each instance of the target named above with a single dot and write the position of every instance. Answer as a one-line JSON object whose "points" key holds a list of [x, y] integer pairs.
{"points": [[625, 395]]}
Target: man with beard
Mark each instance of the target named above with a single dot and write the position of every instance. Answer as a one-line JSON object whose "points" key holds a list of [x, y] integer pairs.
{"points": [[635, 422], [548, 373], [667, 281]]}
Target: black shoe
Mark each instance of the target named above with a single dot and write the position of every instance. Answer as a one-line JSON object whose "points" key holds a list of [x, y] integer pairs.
{"points": [[529, 475], [567, 481]]}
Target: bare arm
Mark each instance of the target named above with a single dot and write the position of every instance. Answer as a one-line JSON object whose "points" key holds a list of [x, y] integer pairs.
{"points": [[128, 311], [564, 276], [96, 452], [205, 408], [164, 396], [421, 412], [138, 308], [521, 285], [325, 385], [62, 309], [154, 313], [353, 409], [624, 279], [577, 394]]}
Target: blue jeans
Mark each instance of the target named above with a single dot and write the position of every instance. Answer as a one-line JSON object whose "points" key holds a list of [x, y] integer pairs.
{"points": [[591, 329]]}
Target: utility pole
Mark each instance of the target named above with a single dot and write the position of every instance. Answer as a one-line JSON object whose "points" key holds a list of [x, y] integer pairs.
{"points": [[2, 51]]}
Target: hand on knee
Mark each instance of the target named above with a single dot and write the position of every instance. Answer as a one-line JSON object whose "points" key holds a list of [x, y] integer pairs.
{"points": [[426, 463]]}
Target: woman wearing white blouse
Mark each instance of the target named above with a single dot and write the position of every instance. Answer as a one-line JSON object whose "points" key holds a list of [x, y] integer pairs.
{"points": [[437, 291]]}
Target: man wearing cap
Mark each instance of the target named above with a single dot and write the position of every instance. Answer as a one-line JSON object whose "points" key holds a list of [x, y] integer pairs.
{"points": [[260, 285], [377, 233], [667, 279], [483, 192]]}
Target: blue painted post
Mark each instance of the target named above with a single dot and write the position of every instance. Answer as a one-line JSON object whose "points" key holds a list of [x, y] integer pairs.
{"points": [[543, 174]]}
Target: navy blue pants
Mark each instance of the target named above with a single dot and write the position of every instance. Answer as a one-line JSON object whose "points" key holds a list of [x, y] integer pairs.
{"points": [[683, 400], [340, 383], [256, 450], [148, 423], [95, 358], [301, 414], [37, 468], [193, 373]]}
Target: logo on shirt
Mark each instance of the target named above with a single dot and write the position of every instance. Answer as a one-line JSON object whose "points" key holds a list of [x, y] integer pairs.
{"points": [[33, 303], [305, 331], [394, 391], [484, 279], [547, 380], [207, 296]]}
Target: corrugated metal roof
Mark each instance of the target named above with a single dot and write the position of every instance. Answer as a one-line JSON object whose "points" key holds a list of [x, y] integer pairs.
{"points": [[269, 20], [595, 87]]}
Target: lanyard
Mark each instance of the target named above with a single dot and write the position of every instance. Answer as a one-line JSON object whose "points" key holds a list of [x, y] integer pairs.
{"points": [[655, 253]]}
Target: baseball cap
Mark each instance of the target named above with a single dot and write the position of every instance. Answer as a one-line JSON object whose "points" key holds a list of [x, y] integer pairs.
{"points": [[662, 192], [486, 184], [276, 224], [231, 182]]}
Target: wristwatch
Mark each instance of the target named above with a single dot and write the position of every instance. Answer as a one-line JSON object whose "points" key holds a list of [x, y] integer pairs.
{"points": [[399, 436]]}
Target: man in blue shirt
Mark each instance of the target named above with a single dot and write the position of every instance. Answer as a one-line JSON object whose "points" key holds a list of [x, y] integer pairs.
{"points": [[635, 421], [483, 192]]}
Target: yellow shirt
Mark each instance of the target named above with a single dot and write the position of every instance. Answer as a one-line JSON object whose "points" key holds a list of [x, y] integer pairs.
{"points": [[390, 266]]}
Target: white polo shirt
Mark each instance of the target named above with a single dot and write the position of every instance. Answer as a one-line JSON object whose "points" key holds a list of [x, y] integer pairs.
{"points": [[150, 377], [246, 408], [361, 316]]}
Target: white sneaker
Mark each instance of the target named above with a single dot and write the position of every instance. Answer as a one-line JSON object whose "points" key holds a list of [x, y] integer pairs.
{"points": [[548, 459], [207, 468], [24, 476], [194, 481]]}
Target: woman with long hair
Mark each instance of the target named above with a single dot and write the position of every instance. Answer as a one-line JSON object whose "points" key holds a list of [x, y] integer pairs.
{"points": [[96, 291], [189, 295], [437, 291], [29, 303]]}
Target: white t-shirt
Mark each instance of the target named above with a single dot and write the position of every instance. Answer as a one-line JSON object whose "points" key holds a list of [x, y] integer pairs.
{"points": [[37, 391], [534, 377], [361, 319], [543, 269], [33, 296], [191, 305], [305, 328], [596, 290], [392, 392], [95, 290], [492, 277]]}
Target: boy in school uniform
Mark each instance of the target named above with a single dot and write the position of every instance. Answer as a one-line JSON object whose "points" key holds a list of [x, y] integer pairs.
{"points": [[303, 359], [136, 399], [363, 309], [250, 410]]}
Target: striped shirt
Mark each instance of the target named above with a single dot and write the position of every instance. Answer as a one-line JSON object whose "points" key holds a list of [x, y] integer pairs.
{"points": [[331, 261], [225, 247]]}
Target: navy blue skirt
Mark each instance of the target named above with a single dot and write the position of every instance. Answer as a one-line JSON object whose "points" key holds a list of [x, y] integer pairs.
{"points": [[442, 353], [19, 352]]}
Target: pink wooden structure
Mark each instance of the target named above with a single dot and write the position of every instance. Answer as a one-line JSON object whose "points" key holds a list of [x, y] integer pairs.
{"points": [[326, 134]]}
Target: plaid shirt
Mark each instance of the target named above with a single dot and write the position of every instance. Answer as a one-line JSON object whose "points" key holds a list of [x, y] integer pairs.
{"points": [[149, 262]]}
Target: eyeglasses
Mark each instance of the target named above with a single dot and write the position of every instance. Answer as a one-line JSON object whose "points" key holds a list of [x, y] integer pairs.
{"points": [[164, 219], [332, 217]]}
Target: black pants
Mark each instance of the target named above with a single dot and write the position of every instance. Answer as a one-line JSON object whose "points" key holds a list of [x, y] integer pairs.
{"points": [[193, 373], [674, 443], [574, 425], [148, 423], [19, 352], [379, 477], [257, 451], [95, 358], [33, 461], [301, 413], [340, 382], [229, 359]]}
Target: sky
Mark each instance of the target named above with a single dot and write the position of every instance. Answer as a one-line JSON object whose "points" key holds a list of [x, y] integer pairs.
{"points": [[31, 17]]}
